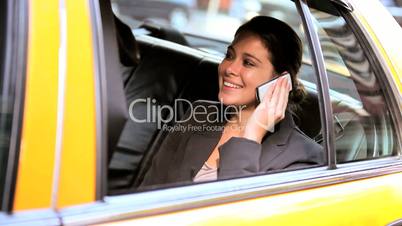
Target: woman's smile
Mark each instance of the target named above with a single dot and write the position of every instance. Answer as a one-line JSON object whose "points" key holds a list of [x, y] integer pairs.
{"points": [[231, 85]]}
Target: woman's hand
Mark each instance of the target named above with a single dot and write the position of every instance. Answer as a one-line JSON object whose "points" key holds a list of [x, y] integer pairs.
{"points": [[269, 112]]}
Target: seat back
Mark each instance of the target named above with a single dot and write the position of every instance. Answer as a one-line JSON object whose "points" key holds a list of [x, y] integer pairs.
{"points": [[165, 73]]}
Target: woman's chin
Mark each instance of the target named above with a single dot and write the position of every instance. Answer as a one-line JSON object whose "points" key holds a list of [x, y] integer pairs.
{"points": [[229, 101], [236, 100], [225, 99]]}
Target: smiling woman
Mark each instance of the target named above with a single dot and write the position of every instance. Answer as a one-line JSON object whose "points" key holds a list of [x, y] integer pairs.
{"points": [[243, 146]]}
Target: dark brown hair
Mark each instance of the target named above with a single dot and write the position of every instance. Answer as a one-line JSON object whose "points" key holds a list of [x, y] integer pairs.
{"points": [[285, 50]]}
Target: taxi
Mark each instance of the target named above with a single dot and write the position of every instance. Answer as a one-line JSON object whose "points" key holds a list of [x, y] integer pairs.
{"points": [[75, 74]]}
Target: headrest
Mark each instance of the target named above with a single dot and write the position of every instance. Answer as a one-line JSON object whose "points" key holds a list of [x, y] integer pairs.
{"points": [[128, 49], [164, 32]]}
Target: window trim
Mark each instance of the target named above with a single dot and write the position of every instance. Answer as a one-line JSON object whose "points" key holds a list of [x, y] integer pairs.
{"points": [[101, 103], [322, 83], [111, 104], [16, 52], [395, 223], [33, 217]]}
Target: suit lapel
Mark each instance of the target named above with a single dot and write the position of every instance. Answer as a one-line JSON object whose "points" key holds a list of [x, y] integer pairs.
{"points": [[275, 143], [198, 149], [201, 144]]}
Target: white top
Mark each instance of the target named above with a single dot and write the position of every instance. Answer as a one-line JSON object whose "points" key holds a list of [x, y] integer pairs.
{"points": [[206, 173]]}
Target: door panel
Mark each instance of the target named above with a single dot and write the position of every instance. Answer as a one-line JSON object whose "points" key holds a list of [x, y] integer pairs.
{"points": [[375, 201]]}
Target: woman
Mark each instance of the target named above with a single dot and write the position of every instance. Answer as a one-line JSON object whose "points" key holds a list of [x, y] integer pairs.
{"points": [[257, 137]]}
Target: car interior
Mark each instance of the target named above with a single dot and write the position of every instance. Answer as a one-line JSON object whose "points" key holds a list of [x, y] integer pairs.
{"points": [[158, 62]]}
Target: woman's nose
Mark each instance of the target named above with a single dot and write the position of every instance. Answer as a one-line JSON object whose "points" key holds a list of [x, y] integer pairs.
{"points": [[233, 68]]}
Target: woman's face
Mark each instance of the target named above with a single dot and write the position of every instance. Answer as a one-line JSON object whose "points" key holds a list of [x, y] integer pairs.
{"points": [[246, 66]]}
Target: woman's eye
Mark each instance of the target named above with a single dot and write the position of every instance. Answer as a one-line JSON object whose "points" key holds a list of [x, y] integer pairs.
{"points": [[248, 63]]}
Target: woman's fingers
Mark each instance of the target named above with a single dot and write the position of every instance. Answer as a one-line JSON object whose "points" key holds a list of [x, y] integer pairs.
{"points": [[273, 107], [277, 100], [268, 94], [282, 100], [271, 93]]}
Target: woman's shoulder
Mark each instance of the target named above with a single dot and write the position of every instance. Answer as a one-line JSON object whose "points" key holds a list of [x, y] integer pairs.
{"points": [[306, 146], [301, 135]]}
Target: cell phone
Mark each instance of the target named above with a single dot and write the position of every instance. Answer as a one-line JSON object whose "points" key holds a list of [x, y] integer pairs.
{"points": [[262, 89]]}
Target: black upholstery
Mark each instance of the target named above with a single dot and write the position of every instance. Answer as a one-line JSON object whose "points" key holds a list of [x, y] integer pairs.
{"points": [[165, 73], [129, 58], [307, 116], [127, 45], [164, 32], [113, 107]]}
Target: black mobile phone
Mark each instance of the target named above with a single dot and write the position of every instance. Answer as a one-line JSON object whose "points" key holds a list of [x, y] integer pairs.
{"points": [[262, 89]]}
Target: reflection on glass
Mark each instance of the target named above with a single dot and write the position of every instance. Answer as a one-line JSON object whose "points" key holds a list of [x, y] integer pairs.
{"points": [[362, 123]]}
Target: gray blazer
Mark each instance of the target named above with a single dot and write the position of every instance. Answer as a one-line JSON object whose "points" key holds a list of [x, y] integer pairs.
{"points": [[182, 154]]}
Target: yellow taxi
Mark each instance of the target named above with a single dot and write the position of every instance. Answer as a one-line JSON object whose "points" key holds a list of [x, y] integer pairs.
{"points": [[75, 74]]}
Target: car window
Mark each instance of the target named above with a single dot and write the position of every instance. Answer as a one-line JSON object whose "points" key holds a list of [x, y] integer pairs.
{"points": [[363, 127], [4, 128], [150, 87]]}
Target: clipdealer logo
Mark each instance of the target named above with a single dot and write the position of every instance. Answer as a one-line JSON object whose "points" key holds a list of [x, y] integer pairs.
{"points": [[203, 112], [208, 112]]}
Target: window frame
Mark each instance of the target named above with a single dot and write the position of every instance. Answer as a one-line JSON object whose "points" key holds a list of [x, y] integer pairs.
{"points": [[324, 99], [15, 65], [110, 114], [101, 99]]}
